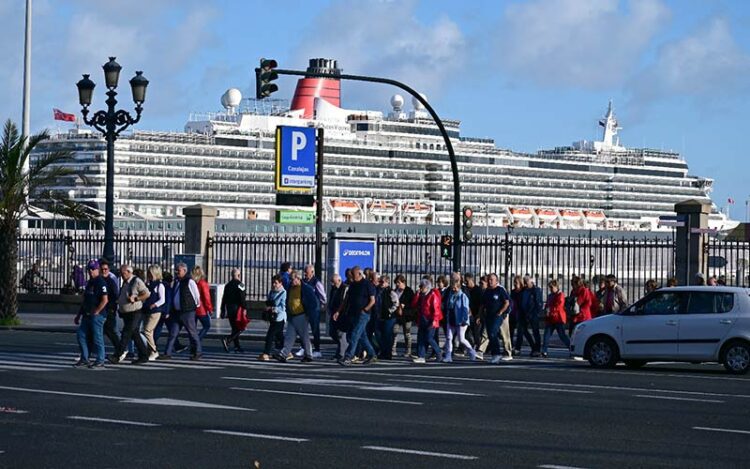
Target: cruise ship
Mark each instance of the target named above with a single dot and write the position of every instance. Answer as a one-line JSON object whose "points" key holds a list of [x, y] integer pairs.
{"points": [[380, 168]]}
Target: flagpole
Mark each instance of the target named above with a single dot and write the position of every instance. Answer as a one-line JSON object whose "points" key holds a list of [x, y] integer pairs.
{"points": [[25, 120]]}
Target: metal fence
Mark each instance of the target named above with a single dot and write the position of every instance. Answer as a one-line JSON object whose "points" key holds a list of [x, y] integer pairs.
{"points": [[57, 254], [728, 259], [633, 260]]}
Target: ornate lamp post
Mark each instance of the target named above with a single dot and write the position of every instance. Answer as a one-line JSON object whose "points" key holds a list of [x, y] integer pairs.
{"points": [[110, 123]]}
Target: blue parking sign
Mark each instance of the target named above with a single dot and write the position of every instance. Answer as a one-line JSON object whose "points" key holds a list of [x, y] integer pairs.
{"points": [[295, 158]]}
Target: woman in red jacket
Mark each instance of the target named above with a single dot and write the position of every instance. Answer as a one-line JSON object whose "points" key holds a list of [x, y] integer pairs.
{"points": [[205, 308], [556, 317], [429, 311], [585, 299]]}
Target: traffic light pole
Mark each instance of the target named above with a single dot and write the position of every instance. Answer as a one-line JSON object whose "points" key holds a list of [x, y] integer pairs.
{"points": [[457, 242], [319, 210]]}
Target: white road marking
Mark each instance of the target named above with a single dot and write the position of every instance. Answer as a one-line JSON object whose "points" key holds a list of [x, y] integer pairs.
{"points": [[417, 390], [26, 368], [420, 453], [531, 388], [672, 398], [555, 466], [11, 410], [124, 422], [417, 381], [257, 435], [724, 430], [363, 385], [328, 396]]}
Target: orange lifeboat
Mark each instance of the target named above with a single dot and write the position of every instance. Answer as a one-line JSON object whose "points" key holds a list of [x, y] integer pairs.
{"points": [[345, 206], [382, 208], [594, 216], [571, 215], [416, 209], [521, 213], [546, 214]]}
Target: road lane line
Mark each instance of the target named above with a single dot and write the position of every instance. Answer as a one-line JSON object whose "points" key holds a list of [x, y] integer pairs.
{"points": [[124, 422], [724, 430], [555, 466], [417, 381], [531, 388], [328, 396], [420, 453], [363, 385], [257, 435], [26, 368], [672, 398]]}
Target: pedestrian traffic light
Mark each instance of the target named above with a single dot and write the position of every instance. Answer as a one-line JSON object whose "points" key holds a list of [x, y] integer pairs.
{"points": [[468, 215], [264, 75], [446, 247]]}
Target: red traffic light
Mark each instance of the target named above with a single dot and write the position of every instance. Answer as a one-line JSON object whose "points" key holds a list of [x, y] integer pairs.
{"points": [[268, 64], [468, 212]]}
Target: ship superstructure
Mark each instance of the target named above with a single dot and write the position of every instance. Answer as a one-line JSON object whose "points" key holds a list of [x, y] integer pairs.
{"points": [[381, 168]]}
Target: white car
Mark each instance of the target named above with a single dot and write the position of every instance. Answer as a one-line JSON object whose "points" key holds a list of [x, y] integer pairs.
{"points": [[690, 324]]}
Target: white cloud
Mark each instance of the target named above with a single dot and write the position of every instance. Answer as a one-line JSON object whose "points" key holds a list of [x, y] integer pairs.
{"points": [[579, 43], [384, 39]]}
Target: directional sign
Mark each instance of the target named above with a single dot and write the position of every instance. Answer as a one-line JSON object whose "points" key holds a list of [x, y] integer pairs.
{"points": [[295, 217], [673, 220], [295, 158]]}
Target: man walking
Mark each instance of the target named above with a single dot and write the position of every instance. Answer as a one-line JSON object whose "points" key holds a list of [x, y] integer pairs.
{"points": [[314, 316], [337, 329], [130, 301], [474, 292], [232, 300], [614, 296], [531, 307], [113, 292], [494, 310], [359, 303], [91, 317], [185, 301], [300, 300]]}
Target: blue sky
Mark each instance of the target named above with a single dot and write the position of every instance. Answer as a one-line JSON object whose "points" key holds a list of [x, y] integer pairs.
{"points": [[532, 74]]}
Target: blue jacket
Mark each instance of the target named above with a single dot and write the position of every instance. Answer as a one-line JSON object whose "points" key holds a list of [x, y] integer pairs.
{"points": [[279, 303], [154, 297], [286, 280], [456, 307], [532, 301]]}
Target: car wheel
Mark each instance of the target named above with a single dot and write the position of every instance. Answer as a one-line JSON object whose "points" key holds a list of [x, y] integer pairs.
{"points": [[602, 352], [635, 364], [736, 357]]}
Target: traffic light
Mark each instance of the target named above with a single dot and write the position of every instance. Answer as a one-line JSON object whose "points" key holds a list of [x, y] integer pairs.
{"points": [[446, 247], [264, 75], [468, 214]]}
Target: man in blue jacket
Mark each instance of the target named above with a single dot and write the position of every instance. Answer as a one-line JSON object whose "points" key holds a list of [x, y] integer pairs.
{"points": [[300, 301], [532, 302]]}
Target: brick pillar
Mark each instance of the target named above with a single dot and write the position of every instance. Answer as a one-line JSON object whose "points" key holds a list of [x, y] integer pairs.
{"points": [[200, 223], [689, 258]]}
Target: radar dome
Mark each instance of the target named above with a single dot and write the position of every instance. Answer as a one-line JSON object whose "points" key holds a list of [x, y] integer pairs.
{"points": [[233, 97], [415, 102], [397, 101]]}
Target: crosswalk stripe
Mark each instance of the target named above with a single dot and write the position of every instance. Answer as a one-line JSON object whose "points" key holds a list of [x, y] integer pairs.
{"points": [[27, 364], [25, 368]]}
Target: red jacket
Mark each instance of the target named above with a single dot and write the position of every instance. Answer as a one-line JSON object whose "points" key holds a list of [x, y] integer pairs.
{"points": [[206, 306], [556, 309], [429, 306], [585, 299]]}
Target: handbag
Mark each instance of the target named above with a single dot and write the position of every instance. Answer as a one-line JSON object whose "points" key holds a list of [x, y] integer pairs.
{"points": [[242, 320]]}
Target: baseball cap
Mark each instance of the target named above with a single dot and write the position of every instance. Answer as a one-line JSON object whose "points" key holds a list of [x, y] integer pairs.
{"points": [[92, 265]]}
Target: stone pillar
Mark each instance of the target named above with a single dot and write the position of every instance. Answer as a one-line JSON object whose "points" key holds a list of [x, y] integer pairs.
{"points": [[200, 223], [689, 256]]}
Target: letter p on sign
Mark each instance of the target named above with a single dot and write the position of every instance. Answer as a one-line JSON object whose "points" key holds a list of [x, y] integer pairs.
{"points": [[299, 142]]}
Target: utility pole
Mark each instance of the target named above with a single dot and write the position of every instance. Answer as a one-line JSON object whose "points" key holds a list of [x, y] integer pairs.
{"points": [[319, 210], [26, 119]]}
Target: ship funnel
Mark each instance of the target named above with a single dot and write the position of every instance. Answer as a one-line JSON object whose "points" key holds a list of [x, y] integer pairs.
{"points": [[310, 88]]}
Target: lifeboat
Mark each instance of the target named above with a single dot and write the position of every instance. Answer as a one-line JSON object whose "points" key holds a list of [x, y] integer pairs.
{"points": [[520, 213], [416, 209], [382, 208], [348, 207], [594, 216], [546, 214], [571, 215]]}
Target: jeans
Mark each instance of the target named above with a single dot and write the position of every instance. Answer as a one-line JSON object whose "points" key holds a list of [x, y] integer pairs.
{"points": [[560, 329], [205, 323], [92, 326], [297, 326], [132, 330], [523, 331], [493, 323], [186, 320], [386, 338], [426, 335], [460, 332], [273, 328], [358, 335], [405, 329]]}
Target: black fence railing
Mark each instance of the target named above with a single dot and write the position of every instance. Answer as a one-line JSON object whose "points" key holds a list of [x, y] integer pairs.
{"points": [[728, 259], [57, 255]]}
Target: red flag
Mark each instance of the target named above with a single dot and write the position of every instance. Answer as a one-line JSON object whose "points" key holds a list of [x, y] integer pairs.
{"points": [[63, 116]]}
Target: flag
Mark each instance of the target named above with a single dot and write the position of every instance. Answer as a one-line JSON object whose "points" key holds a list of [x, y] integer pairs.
{"points": [[730, 201], [63, 116]]}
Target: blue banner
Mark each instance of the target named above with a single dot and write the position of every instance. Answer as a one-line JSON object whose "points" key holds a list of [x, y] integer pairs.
{"points": [[356, 253]]}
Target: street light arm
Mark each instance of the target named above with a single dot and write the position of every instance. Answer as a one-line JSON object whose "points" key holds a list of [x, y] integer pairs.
{"points": [[123, 119], [98, 120]]}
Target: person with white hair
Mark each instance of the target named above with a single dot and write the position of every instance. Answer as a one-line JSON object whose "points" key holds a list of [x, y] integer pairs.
{"points": [[132, 295], [314, 316], [231, 301], [360, 300], [494, 310], [185, 301]]}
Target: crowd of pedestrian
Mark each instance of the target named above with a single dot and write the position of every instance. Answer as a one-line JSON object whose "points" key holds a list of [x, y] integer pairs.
{"points": [[368, 316]]}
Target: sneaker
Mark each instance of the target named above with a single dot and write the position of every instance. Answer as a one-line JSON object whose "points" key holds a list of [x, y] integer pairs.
{"points": [[140, 361], [535, 354], [153, 356], [289, 356], [96, 366], [307, 359], [164, 357], [180, 348], [81, 364], [507, 358], [300, 353], [480, 356], [280, 357], [516, 352], [317, 354], [129, 355], [239, 350], [196, 357], [419, 360], [447, 359], [356, 360], [472, 355], [370, 360], [264, 357], [345, 362], [123, 356], [225, 344], [496, 359], [544, 354]]}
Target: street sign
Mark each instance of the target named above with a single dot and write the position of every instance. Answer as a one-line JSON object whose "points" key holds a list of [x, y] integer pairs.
{"points": [[673, 220], [704, 230], [295, 217], [295, 158]]}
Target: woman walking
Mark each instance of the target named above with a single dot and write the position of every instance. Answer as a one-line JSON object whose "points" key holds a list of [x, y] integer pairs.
{"points": [[153, 308], [232, 300], [205, 308], [429, 312], [556, 317], [405, 315], [456, 309], [275, 314]]}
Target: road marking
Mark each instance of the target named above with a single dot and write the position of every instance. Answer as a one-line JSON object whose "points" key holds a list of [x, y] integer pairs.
{"points": [[417, 381], [12, 410], [531, 388], [554, 466], [124, 422], [257, 435], [421, 453], [329, 396], [724, 430], [672, 398], [26, 368], [417, 390], [363, 385]]}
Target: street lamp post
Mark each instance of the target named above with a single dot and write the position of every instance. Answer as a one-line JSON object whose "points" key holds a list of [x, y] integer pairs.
{"points": [[111, 123]]}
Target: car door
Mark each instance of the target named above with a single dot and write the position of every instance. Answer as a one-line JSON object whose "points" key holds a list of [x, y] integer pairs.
{"points": [[650, 328], [706, 321]]}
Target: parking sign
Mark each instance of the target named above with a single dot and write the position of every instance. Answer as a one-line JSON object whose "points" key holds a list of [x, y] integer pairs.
{"points": [[295, 158]]}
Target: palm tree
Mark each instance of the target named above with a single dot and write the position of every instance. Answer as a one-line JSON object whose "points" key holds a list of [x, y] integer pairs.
{"points": [[16, 184]]}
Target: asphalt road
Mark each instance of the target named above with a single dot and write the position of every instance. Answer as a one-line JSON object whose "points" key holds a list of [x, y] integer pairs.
{"points": [[232, 411]]}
